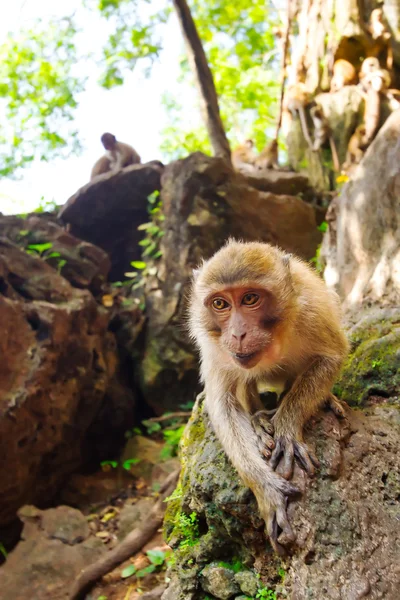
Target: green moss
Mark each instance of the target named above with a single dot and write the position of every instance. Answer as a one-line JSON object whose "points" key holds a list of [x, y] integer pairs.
{"points": [[373, 366]]}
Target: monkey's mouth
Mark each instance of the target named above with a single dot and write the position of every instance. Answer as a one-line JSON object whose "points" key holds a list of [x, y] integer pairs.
{"points": [[245, 360]]}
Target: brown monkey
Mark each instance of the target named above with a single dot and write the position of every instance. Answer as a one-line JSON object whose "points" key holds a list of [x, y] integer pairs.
{"points": [[344, 73], [268, 158], [380, 33], [356, 147], [118, 155], [243, 156], [296, 99], [323, 134], [378, 80], [264, 318], [375, 84]]}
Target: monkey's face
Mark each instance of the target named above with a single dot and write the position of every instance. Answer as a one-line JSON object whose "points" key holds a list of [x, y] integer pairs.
{"points": [[108, 140], [245, 317]]}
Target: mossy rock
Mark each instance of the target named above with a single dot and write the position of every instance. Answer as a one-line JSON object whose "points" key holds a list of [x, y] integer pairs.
{"points": [[373, 366]]}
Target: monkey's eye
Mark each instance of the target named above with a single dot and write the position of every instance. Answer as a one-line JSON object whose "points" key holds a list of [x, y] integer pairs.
{"points": [[219, 304], [250, 299]]}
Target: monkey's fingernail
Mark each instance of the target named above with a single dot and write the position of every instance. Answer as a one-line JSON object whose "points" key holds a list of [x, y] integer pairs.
{"points": [[271, 444]]}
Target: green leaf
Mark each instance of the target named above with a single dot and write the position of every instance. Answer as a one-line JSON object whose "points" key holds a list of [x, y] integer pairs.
{"points": [[146, 571], [110, 463], [323, 227], [131, 461], [128, 571], [157, 557], [139, 264], [40, 248]]}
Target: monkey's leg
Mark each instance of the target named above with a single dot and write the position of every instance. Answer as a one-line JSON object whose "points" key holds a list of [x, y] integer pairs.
{"points": [[250, 400], [237, 436], [302, 401]]}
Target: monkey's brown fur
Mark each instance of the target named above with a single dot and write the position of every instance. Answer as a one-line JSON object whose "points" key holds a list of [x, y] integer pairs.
{"points": [[243, 156], [356, 148], [381, 36], [344, 73], [291, 340], [323, 134], [268, 158], [118, 155], [296, 99]]}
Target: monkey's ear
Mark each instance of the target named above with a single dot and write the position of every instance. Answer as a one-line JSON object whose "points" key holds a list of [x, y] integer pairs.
{"points": [[196, 273]]}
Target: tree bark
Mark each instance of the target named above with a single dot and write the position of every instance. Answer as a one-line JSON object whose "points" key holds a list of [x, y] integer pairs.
{"points": [[202, 73]]}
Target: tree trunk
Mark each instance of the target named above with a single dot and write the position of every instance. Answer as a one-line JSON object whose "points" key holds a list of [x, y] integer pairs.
{"points": [[202, 73]]}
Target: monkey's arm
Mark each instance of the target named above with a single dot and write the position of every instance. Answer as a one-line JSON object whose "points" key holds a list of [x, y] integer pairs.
{"points": [[234, 430], [309, 391]]}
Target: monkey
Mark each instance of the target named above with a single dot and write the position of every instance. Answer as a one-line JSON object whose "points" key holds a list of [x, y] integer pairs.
{"points": [[393, 97], [118, 155], [243, 156], [380, 33], [101, 166], [323, 133], [378, 80], [356, 148], [268, 158], [344, 73], [297, 98], [375, 85], [262, 317]]}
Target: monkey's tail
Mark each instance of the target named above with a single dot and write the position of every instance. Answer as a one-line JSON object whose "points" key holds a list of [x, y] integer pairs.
{"points": [[304, 126], [335, 156]]}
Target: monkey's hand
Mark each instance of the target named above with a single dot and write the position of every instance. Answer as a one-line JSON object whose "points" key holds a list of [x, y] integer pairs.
{"points": [[289, 445], [264, 431], [278, 527]]}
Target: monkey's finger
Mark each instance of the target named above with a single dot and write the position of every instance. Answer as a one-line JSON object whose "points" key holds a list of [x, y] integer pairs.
{"points": [[336, 406], [288, 460], [277, 453], [272, 529], [304, 456], [287, 536]]}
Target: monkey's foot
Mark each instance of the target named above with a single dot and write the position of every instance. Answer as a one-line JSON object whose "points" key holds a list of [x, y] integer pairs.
{"points": [[278, 527], [336, 405], [264, 432], [288, 449]]}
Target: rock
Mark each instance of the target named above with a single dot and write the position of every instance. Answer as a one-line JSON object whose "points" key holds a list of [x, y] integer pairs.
{"points": [[219, 581], [373, 366], [58, 369], [205, 202], [84, 490], [346, 521], [55, 546], [363, 260], [132, 515], [80, 263], [107, 212], [278, 182], [248, 582]]}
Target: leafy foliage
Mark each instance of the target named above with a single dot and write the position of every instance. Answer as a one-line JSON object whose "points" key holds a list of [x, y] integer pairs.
{"points": [[38, 94], [136, 34], [240, 46], [172, 438], [187, 527]]}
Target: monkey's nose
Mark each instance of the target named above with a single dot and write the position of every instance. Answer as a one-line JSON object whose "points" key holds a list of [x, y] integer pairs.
{"points": [[238, 336]]}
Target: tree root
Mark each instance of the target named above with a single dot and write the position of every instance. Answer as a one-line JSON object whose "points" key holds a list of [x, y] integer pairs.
{"points": [[133, 542]]}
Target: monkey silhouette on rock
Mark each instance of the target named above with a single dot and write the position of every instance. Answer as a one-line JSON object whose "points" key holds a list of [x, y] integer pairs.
{"points": [[118, 155], [262, 317]]}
